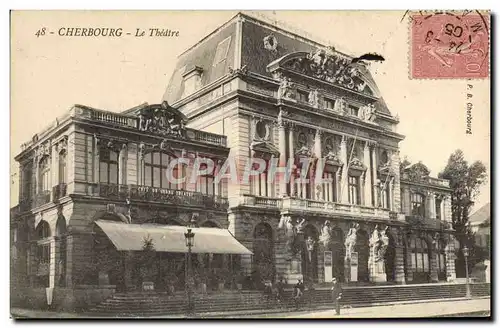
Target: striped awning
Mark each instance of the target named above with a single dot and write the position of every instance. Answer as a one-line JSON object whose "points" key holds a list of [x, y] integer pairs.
{"points": [[130, 237]]}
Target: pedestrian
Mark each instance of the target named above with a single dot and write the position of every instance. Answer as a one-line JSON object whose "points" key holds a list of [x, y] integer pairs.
{"points": [[268, 291], [280, 288], [336, 295], [298, 292]]}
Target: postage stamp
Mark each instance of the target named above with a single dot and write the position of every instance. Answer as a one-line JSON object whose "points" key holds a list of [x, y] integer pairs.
{"points": [[448, 45]]}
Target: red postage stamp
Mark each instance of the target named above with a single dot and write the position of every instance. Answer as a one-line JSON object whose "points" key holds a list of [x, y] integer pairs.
{"points": [[449, 45]]}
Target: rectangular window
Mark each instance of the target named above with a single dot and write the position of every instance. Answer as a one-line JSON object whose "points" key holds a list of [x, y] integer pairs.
{"points": [[302, 96], [353, 110], [413, 261], [438, 209], [354, 190], [329, 103]]}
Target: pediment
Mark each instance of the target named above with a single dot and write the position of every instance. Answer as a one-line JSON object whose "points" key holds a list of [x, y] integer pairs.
{"points": [[357, 164], [264, 148], [326, 65], [333, 160]]}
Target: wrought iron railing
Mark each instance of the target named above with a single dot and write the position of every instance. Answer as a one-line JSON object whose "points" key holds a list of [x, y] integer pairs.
{"points": [[59, 191], [42, 198], [423, 222], [169, 196]]}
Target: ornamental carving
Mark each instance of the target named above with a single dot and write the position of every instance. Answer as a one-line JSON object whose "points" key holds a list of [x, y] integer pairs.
{"points": [[340, 106], [287, 89], [43, 150], [291, 229], [62, 145], [367, 113], [357, 164], [313, 98], [325, 65], [162, 119], [110, 144], [270, 43]]}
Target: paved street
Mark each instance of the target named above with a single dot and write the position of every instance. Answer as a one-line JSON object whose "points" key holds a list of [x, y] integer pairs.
{"points": [[415, 310], [411, 310]]}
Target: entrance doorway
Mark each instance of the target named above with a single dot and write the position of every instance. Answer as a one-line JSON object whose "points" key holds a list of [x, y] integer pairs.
{"points": [[338, 253], [263, 268], [363, 249], [310, 254], [389, 258]]}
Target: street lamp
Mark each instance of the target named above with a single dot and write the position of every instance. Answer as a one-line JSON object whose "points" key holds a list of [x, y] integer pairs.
{"points": [[465, 250], [189, 235]]}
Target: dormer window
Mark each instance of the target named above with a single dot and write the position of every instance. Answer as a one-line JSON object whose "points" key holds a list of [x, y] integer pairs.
{"points": [[192, 79], [222, 50]]}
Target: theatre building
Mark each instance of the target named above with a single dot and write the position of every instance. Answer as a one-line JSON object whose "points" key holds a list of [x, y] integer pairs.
{"points": [[93, 189]]}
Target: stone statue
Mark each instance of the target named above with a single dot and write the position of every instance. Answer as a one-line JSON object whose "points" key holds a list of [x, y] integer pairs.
{"points": [[300, 226], [351, 239], [384, 239], [326, 236], [310, 243], [314, 98], [285, 89], [286, 224], [375, 243], [340, 105]]}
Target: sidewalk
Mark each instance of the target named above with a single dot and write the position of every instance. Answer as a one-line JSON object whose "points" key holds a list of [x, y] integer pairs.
{"points": [[416, 309]]}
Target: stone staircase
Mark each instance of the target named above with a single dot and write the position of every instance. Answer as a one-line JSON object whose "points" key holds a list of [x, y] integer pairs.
{"points": [[153, 303]]}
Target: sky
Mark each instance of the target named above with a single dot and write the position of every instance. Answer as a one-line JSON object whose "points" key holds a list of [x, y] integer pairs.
{"points": [[50, 73]]}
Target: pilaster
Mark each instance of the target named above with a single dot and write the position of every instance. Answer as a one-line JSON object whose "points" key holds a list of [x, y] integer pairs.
{"points": [[368, 176], [343, 183]]}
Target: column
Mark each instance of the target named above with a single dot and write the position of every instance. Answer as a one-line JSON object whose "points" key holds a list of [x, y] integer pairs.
{"points": [[391, 198], [374, 174], [343, 183], [37, 176], [318, 188], [337, 197], [291, 157], [433, 206], [368, 176], [96, 160], [450, 259], [282, 149], [399, 261]]}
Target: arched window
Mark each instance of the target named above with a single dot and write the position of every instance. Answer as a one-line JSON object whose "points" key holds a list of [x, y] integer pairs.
{"points": [[62, 167], [44, 174], [417, 204], [108, 166], [42, 255], [420, 263]]}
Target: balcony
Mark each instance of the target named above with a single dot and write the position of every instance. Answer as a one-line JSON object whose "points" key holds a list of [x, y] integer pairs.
{"points": [[322, 207], [42, 198], [427, 223], [59, 191], [124, 120], [168, 196], [261, 201]]}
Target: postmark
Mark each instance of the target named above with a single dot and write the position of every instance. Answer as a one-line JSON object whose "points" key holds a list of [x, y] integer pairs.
{"points": [[449, 45]]}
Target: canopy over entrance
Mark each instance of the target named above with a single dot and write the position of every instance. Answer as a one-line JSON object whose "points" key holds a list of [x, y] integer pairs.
{"points": [[130, 237]]}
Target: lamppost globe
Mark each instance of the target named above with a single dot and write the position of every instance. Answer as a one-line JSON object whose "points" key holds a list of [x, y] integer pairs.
{"points": [[466, 251]]}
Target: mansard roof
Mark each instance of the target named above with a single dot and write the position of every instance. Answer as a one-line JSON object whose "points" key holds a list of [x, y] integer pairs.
{"points": [[234, 47]]}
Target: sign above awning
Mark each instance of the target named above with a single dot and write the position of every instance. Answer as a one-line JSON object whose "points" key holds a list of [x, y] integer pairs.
{"points": [[130, 237]]}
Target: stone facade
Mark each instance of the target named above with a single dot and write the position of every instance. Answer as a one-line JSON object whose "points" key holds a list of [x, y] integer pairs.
{"points": [[299, 101]]}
